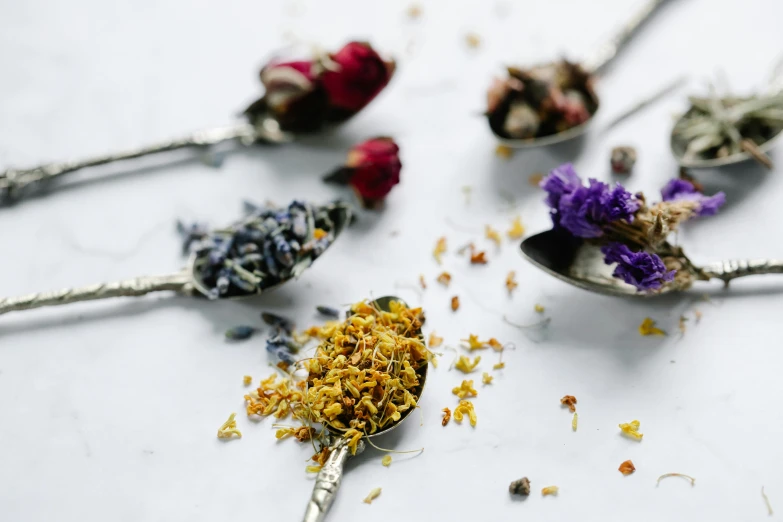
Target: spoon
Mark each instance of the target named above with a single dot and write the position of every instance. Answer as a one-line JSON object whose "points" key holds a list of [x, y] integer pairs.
{"points": [[331, 474], [581, 264], [190, 281], [592, 65]]}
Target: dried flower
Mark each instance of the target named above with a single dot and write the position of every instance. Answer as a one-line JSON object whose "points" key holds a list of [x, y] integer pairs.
{"points": [[643, 270], [486, 378], [681, 475], [499, 366], [278, 322], [648, 328], [465, 366], [570, 402], [240, 333], [517, 230], [495, 344], [356, 74], [414, 11], [550, 490], [631, 429], [465, 408], [328, 312], [444, 278], [302, 433], [520, 487], [534, 179], [446, 416], [422, 282], [386, 460], [492, 234], [627, 467], [574, 421], [504, 151], [455, 303], [371, 169], [229, 429], [684, 190], [539, 308], [465, 390], [375, 493], [247, 380], [473, 40], [478, 258], [623, 159], [319, 233], [440, 249], [434, 340], [474, 343], [511, 283]]}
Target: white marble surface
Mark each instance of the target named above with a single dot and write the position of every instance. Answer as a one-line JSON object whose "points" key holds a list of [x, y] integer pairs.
{"points": [[109, 409]]}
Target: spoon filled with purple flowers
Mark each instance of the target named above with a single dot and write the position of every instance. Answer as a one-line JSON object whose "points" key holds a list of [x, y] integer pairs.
{"points": [[265, 249], [609, 241], [301, 96]]}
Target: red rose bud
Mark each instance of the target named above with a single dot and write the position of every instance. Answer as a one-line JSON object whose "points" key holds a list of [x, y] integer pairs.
{"points": [[372, 169], [354, 75]]}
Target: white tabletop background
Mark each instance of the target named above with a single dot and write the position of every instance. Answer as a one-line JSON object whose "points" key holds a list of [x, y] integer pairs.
{"points": [[110, 409]]}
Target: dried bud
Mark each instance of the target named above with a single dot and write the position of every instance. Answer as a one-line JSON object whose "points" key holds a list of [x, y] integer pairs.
{"points": [[623, 159], [520, 487], [372, 169], [354, 76]]}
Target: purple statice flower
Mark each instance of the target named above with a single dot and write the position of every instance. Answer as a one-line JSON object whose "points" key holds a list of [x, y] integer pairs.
{"points": [[643, 270], [617, 203], [560, 181], [683, 190]]}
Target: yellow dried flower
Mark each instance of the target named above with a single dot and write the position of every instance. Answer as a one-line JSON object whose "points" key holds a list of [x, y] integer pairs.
{"points": [[574, 421], [495, 344], [550, 490], [247, 380], [455, 303], [465, 390], [444, 278], [414, 11], [422, 282], [539, 308], [504, 151], [386, 461], [492, 234], [302, 433], [465, 366], [319, 234], [486, 378], [473, 40], [648, 328], [434, 340], [229, 429], [627, 467], [474, 343], [478, 258], [517, 230], [499, 366], [511, 282], [631, 429], [313, 469], [353, 436], [440, 249], [465, 408], [375, 493]]}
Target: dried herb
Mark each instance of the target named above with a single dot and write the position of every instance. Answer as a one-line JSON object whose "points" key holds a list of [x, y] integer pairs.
{"points": [[465, 366], [434, 340], [486, 378], [464, 390], [375, 493], [517, 230], [623, 160], [328, 312], [455, 303], [574, 421], [631, 430], [570, 402], [386, 460], [648, 328], [550, 490], [465, 408], [440, 249], [240, 332], [627, 467], [247, 380], [444, 278], [229, 429], [446, 416], [511, 283], [520, 487]]}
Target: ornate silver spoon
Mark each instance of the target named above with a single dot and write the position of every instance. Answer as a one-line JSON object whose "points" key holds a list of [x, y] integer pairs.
{"points": [[581, 263], [589, 67], [246, 259], [331, 474]]}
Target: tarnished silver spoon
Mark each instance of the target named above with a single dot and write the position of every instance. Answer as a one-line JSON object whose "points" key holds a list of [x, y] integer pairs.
{"points": [[190, 280], [331, 474], [591, 65], [580, 263]]}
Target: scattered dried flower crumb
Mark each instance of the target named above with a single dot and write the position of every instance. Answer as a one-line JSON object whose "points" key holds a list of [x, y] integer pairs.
{"points": [[446, 416], [319, 233], [520, 487], [414, 11], [766, 501], [386, 461], [247, 380], [697, 313], [495, 344], [440, 249], [539, 308], [631, 429], [422, 282], [682, 325], [517, 230], [465, 408], [511, 283], [499, 366], [473, 40], [455, 303], [434, 340], [465, 366], [570, 401], [550, 490], [574, 421], [627, 467], [535, 178], [444, 278], [681, 475], [465, 390], [492, 234], [486, 378], [473, 343], [229, 429], [478, 258], [504, 152], [648, 328], [375, 493]]}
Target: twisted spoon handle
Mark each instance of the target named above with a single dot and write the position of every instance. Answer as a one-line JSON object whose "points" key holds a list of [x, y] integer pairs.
{"points": [[180, 283], [609, 49], [14, 184], [728, 270], [328, 481]]}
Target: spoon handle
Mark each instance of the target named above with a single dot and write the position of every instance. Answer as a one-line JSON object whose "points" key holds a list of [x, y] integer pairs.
{"points": [[603, 54], [327, 482], [15, 184], [728, 270], [180, 283]]}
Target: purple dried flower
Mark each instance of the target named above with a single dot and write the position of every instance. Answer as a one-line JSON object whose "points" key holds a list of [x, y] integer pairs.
{"points": [[577, 211], [643, 270], [684, 190], [617, 203], [560, 181]]}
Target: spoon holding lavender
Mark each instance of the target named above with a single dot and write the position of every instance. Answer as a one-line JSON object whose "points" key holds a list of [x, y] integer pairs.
{"points": [[609, 241], [301, 96], [262, 251]]}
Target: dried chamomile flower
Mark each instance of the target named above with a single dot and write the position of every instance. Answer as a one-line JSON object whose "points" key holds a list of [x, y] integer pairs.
{"points": [[422, 282], [504, 151], [539, 308], [465, 408], [574, 421], [444, 278], [455, 303], [492, 235], [434, 340], [517, 230], [473, 343], [648, 328], [478, 258], [520, 487], [550, 490], [247, 380], [465, 366], [465, 390], [229, 429], [446, 416], [570, 401], [440, 249], [627, 467], [375, 493], [499, 366], [486, 378], [387, 460], [511, 282], [631, 429]]}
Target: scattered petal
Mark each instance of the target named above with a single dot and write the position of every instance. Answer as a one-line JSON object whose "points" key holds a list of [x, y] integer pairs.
{"points": [[465, 408], [414, 11], [539, 308], [517, 230], [474, 343], [492, 235], [495, 344], [229, 429], [499, 366], [570, 401], [550, 490], [504, 151], [444, 278], [465, 390], [627, 467], [511, 283], [648, 328], [247, 380], [574, 421], [455, 303], [387, 460], [375, 493], [478, 258], [631, 429], [434, 340], [422, 282], [446, 416], [465, 366], [440, 249], [473, 40], [766, 501], [486, 378]]}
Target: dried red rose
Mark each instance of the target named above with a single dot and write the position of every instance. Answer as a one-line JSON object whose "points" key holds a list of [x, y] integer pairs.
{"points": [[360, 74], [372, 169]]}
